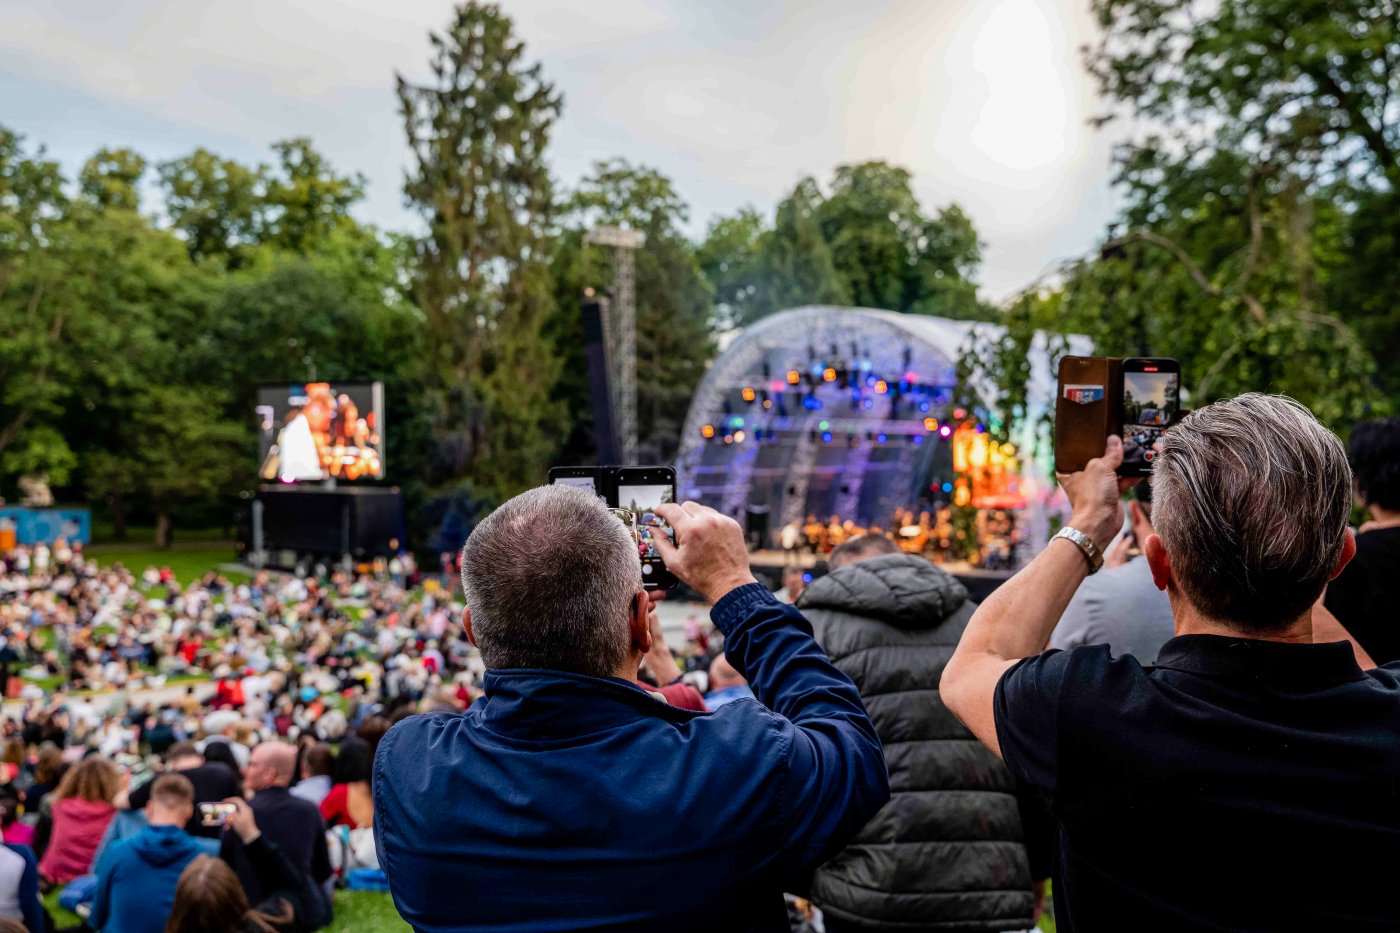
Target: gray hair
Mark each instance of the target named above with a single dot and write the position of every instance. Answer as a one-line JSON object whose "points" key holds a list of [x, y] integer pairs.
{"points": [[1253, 496], [548, 578]]}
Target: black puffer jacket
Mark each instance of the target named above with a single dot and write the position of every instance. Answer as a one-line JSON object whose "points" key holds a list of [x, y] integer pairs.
{"points": [[945, 854]]}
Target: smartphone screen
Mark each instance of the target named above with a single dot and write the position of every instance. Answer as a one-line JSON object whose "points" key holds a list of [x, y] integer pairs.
{"points": [[582, 482], [642, 501], [1151, 397]]}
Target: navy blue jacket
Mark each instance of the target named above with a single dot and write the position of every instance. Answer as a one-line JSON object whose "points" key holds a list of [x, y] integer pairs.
{"points": [[565, 802]]}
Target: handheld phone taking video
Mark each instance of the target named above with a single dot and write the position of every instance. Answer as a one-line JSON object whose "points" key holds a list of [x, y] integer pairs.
{"points": [[633, 493], [1151, 398], [1097, 396], [215, 814]]}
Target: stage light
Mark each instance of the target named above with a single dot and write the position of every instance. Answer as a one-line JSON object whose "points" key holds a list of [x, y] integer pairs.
{"points": [[828, 375], [812, 403], [738, 437], [923, 406], [947, 487], [944, 431], [707, 431], [882, 438], [918, 439], [826, 437], [748, 394], [869, 404], [729, 438], [1009, 449], [881, 386], [959, 413], [736, 422], [824, 425], [980, 429], [793, 377], [870, 381], [767, 404], [930, 424]]}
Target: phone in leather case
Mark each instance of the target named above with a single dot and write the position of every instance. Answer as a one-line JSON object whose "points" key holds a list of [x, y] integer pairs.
{"points": [[1088, 408]]}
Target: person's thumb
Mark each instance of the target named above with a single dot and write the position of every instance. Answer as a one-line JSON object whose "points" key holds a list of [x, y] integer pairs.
{"points": [[1113, 452]]}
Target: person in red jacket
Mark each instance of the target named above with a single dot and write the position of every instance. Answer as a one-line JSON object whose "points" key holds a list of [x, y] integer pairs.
{"points": [[83, 808]]}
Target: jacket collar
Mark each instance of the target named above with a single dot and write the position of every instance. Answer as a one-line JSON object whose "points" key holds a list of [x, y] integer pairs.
{"points": [[1254, 659], [545, 704]]}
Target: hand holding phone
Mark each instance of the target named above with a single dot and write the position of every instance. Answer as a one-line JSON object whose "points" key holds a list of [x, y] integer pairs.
{"points": [[710, 554]]}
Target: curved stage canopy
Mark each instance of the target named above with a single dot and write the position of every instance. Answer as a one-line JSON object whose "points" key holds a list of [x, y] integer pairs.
{"points": [[858, 413]]}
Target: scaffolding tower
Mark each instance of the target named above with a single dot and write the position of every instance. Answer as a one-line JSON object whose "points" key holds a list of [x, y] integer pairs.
{"points": [[620, 331]]}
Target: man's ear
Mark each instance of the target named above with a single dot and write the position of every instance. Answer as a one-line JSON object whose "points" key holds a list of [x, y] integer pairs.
{"points": [[1158, 561], [1348, 552], [637, 622], [467, 624]]}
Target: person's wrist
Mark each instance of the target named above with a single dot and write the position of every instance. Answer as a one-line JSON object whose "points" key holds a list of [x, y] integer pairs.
{"points": [[1100, 525], [250, 838], [722, 588]]}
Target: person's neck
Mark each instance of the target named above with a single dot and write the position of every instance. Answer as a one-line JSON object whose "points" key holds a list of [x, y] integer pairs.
{"points": [[1383, 517], [165, 819], [1189, 621]]}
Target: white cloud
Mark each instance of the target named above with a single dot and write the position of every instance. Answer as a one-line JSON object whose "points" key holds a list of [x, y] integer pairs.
{"points": [[983, 100]]}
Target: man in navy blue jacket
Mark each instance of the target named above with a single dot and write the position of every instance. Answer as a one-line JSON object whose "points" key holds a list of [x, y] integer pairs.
{"points": [[568, 798]]}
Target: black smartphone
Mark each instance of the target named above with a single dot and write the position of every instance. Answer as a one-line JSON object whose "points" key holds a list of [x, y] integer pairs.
{"points": [[590, 478], [1151, 400], [640, 490]]}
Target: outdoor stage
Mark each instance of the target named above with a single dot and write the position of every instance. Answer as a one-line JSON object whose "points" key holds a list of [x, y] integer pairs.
{"points": [[768, 567]]}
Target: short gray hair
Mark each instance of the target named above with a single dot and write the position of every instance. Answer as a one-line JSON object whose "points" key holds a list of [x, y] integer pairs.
{"points": [[1253, 496], [548, 578]]}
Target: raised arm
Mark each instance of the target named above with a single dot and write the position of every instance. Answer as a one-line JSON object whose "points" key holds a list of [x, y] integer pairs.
{"points": [[836, 776], [1015, 622]]}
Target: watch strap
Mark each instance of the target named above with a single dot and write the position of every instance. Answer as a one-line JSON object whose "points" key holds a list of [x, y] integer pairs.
{"points": [[1085, 544]]}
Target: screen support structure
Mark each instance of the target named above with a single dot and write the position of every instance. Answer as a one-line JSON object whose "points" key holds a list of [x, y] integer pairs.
{"points": [[620, 331]]}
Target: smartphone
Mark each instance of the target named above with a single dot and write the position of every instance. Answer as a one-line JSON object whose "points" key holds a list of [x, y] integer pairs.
{"points": [[215, 814], [1151, 400], [1087, 409], [640, 490]]}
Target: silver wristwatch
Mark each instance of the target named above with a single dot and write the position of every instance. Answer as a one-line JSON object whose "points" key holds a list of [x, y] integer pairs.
{"points": [[1082, 541]]}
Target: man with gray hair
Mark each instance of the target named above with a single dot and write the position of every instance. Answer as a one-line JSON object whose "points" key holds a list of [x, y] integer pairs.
{"points": [[570, 798], [1247, 780]]}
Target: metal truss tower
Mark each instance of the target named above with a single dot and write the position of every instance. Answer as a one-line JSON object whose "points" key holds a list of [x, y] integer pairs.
{"points": [[620, 331]]}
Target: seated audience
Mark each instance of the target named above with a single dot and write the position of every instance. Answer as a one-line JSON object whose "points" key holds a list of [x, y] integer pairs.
{"points": [[209, 898], [316, 765], [136, 877], [48, 771], [947, 852], [295, 825], [1246, 781], [1120, 606], [212, 782], [726, 684], [1365, 595], [558, 801], [349, 802], [83, 806]]}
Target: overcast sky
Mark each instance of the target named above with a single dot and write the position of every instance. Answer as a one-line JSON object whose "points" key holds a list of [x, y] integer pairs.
{"points": [[985, 101]]}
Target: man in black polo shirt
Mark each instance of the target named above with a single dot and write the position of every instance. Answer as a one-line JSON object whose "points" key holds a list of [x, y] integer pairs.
{"points": [[1250, 779]]}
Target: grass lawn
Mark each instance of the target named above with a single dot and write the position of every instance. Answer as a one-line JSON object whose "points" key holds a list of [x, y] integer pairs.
{"points": [[188, 560], [355, 912]]}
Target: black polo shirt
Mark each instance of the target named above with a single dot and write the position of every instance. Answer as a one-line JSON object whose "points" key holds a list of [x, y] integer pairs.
{"points": [[1238, 785]]}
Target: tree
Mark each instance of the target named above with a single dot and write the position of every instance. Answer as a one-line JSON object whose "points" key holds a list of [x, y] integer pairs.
{"points": [[306, 200], [795, 264], [111, 179], [729, 259], [1267, 193], [888, 254], [479, 181], [214, 204]]}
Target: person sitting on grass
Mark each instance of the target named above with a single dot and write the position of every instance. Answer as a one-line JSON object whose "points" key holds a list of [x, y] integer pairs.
{"points": [[83, 807], [136, 877]]}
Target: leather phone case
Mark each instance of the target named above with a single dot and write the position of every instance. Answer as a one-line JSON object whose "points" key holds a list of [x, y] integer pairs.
{"points": [[1088, 408]]}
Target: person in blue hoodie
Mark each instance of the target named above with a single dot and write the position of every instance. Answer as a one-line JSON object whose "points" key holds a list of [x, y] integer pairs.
{"points": [[570, 798], [136, 877]]}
